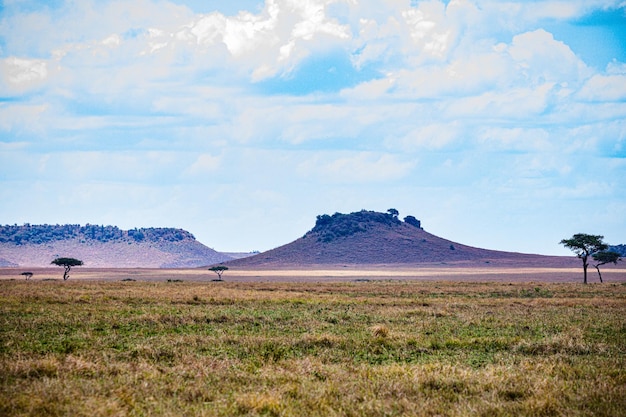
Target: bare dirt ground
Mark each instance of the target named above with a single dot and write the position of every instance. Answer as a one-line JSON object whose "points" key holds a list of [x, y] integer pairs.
{"points": [[571, 273]]}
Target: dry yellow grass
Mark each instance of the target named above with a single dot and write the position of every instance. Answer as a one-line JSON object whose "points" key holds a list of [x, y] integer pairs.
{"points": [[339, 273], [393, 348]]}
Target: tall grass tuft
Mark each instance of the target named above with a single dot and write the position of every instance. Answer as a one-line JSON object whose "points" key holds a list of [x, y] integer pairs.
{"points": [[380, 331]]}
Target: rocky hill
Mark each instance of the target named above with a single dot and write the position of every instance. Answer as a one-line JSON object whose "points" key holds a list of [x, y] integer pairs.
{"points": [[103, 247], [369, 237]]}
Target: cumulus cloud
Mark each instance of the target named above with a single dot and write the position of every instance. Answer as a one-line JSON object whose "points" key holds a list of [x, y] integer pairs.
{"points": [[269, 43], [396, 97], [541, 58]]}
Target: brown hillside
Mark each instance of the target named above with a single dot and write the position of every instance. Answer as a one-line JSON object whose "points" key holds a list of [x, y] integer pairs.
{"points": [[370, 238], [104, 247]]}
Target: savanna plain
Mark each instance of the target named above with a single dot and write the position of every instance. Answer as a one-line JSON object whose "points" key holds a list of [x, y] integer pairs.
{"points": [[358, 347]]}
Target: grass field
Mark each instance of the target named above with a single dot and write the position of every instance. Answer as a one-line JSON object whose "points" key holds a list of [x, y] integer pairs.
{"points": [[368, 348]]}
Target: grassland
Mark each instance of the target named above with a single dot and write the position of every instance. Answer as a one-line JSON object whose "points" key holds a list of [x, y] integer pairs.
{"points": [[372, 348]]}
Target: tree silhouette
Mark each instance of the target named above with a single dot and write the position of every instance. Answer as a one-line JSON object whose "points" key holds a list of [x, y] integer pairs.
{"points": [[27, 275], [413, 221], [603, 258], [219, 270], [393, 212], [584, 245], [67, 263]]}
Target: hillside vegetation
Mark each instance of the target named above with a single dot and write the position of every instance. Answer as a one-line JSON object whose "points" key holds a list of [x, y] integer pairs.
{"points": [[329, 228], [104, 246], [621, 249], [39, 234]]}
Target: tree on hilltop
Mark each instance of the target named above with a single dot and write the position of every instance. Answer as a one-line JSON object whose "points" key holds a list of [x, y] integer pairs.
{"points": [[393, 212], [413, 221], [603, 258], [584, 245], [67, 263]]}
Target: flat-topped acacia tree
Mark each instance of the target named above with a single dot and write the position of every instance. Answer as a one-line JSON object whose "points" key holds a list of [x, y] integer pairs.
{"points": [[67, 263], [584, 245], [219, 270], [603, 258]]}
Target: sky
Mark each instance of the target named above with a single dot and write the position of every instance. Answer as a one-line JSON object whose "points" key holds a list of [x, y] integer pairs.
{"points": [[498, 124]]}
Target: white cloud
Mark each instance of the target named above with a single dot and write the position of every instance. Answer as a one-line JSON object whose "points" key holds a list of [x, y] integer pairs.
{"points": [[19, 75], [20, 118], [132, 167], [266, 44], [587, 189], [461, 77], [559, 9], [428, 29], [515, 138], [603, 88], [202, 105], [112, 41], [541, 58], [517, 103], [556, 10], [429, 137], [203, 165], [361, 167], [602, 137], [369, 90]]}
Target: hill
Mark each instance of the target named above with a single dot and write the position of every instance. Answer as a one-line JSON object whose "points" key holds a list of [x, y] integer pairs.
{"points": [[368, 238], [103, 247], [621, 249]]}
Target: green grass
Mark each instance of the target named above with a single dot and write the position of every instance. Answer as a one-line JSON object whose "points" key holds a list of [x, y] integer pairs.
{"points": [[295, 349]]}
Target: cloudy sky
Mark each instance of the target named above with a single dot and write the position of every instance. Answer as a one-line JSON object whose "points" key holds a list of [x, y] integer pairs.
{"points": [[499, 124]]}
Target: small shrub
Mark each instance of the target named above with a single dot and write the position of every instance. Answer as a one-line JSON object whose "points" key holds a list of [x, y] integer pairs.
{"points": [[380, 331]]}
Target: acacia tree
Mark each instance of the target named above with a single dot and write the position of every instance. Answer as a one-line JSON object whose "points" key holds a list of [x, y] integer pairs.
{"points": [[219, 270], [584, 245], [603, 258], [67, 263], [27, 275]]}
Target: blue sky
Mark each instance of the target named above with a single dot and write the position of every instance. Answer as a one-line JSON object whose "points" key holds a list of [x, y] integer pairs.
{"points": [[497, 124]]}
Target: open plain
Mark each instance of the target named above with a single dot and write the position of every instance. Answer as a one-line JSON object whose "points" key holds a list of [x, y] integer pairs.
{"points": [[566, 270], [375, 341]]}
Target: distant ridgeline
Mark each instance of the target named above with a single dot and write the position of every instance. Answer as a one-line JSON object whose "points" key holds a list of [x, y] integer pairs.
{"points": [[39, 234], [621, 249]]}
